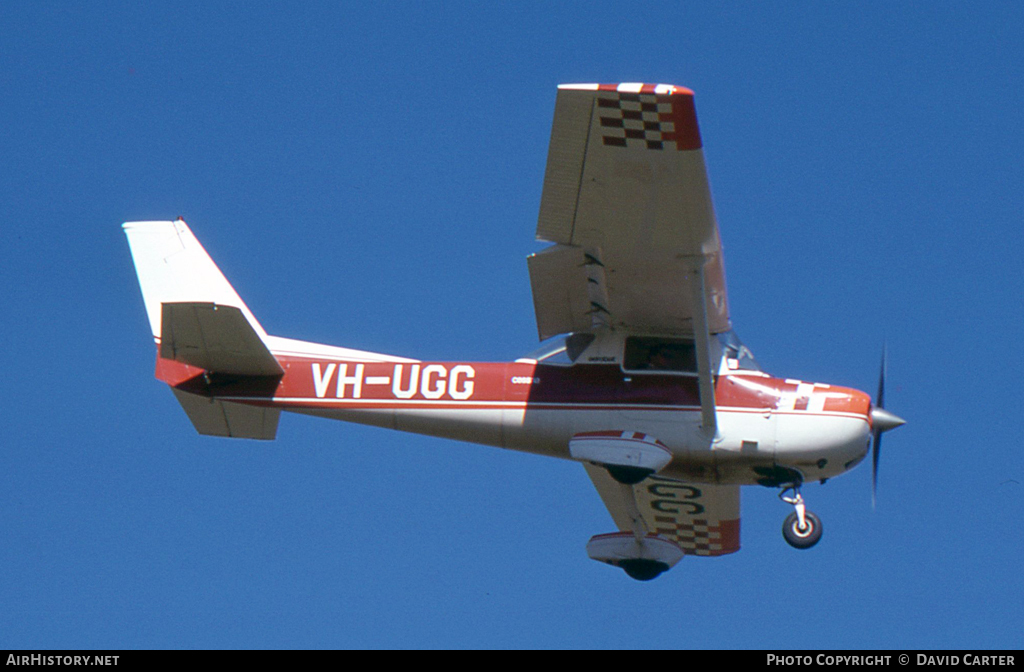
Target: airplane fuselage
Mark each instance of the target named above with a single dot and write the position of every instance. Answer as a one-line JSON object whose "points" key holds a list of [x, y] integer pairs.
{"points": [[766, 425]]}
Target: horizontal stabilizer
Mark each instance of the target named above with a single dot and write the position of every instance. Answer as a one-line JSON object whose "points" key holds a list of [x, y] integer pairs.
{"points": [[216, 338], [214, 417]]}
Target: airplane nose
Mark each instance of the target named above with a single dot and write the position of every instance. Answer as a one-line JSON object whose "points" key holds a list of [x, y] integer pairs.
{"points": [[882, 420]]}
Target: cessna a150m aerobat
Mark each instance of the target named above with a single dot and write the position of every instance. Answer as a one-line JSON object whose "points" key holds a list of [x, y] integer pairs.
{"points": [[646, 384]]}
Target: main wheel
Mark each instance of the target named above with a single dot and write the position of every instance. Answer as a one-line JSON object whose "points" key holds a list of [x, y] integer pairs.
{"points": [[643, 570], [801, 538], [628, 475]]}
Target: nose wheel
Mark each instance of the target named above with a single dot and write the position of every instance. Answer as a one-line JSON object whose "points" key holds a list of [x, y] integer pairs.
{"points": [[801, 529]]}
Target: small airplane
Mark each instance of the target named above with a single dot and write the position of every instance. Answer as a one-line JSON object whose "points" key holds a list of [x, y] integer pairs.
{"points": [[639, 377]]}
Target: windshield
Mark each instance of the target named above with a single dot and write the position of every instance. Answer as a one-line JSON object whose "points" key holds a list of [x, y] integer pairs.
{"points": [[561, 349], [735, 354]]}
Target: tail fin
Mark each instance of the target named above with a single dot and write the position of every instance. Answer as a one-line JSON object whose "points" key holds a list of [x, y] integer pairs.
{"points": [[200, 321], [174, 268]]}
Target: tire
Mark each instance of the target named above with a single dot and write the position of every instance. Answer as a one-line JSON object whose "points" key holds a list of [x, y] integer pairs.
{"points": [[798, 538], [643, 570], [628, 475]]}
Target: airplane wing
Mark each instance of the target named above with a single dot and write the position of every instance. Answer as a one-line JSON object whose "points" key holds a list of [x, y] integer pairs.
{"points": [[627, 202], [701, 519]]}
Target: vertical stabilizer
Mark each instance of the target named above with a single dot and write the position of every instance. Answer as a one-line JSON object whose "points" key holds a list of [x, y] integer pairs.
{"points": [[174, 268]]}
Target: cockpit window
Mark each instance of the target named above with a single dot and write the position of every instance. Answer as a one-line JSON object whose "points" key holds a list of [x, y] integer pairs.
{"points": [[659, 354], [736, 355], [563, 350]]}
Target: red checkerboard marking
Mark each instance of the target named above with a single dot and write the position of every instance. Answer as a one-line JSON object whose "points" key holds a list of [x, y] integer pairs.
{"points": [[654, 121]]}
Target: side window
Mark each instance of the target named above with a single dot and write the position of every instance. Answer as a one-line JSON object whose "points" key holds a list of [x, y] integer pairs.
{"points": [[645, 353], [562, 350], [575, 344]]}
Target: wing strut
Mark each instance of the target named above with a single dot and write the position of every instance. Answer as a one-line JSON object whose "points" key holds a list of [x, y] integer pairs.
{"points": [[620, 499], [638, 525], [702, 339]]}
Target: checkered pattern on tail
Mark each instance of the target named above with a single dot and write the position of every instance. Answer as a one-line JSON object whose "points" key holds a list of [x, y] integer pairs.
{"points": [[648, 120]]}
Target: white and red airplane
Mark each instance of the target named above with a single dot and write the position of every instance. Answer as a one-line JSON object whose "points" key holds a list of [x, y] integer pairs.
{"points": [[640, 377]]}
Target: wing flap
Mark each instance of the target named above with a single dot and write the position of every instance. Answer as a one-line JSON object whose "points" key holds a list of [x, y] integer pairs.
{"points": [[570, 289]]}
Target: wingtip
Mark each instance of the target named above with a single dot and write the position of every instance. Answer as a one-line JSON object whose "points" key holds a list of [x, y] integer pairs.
{"points": [[631, 87], [144, 224]]}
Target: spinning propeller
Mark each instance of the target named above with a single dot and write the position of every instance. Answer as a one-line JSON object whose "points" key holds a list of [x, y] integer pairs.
{"points": [[881, 421]]}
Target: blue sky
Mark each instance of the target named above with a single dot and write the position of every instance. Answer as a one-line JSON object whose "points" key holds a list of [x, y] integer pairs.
{"points": [[368, 175]]}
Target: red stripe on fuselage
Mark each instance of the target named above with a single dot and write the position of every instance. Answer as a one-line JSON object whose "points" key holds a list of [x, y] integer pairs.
{"points": [[322, 383]]}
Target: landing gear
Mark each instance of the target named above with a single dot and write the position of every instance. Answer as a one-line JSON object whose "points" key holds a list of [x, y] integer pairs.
{"points": [[642, 556], [643, 570], [801, 537], [801, 529], [628, 475]]}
